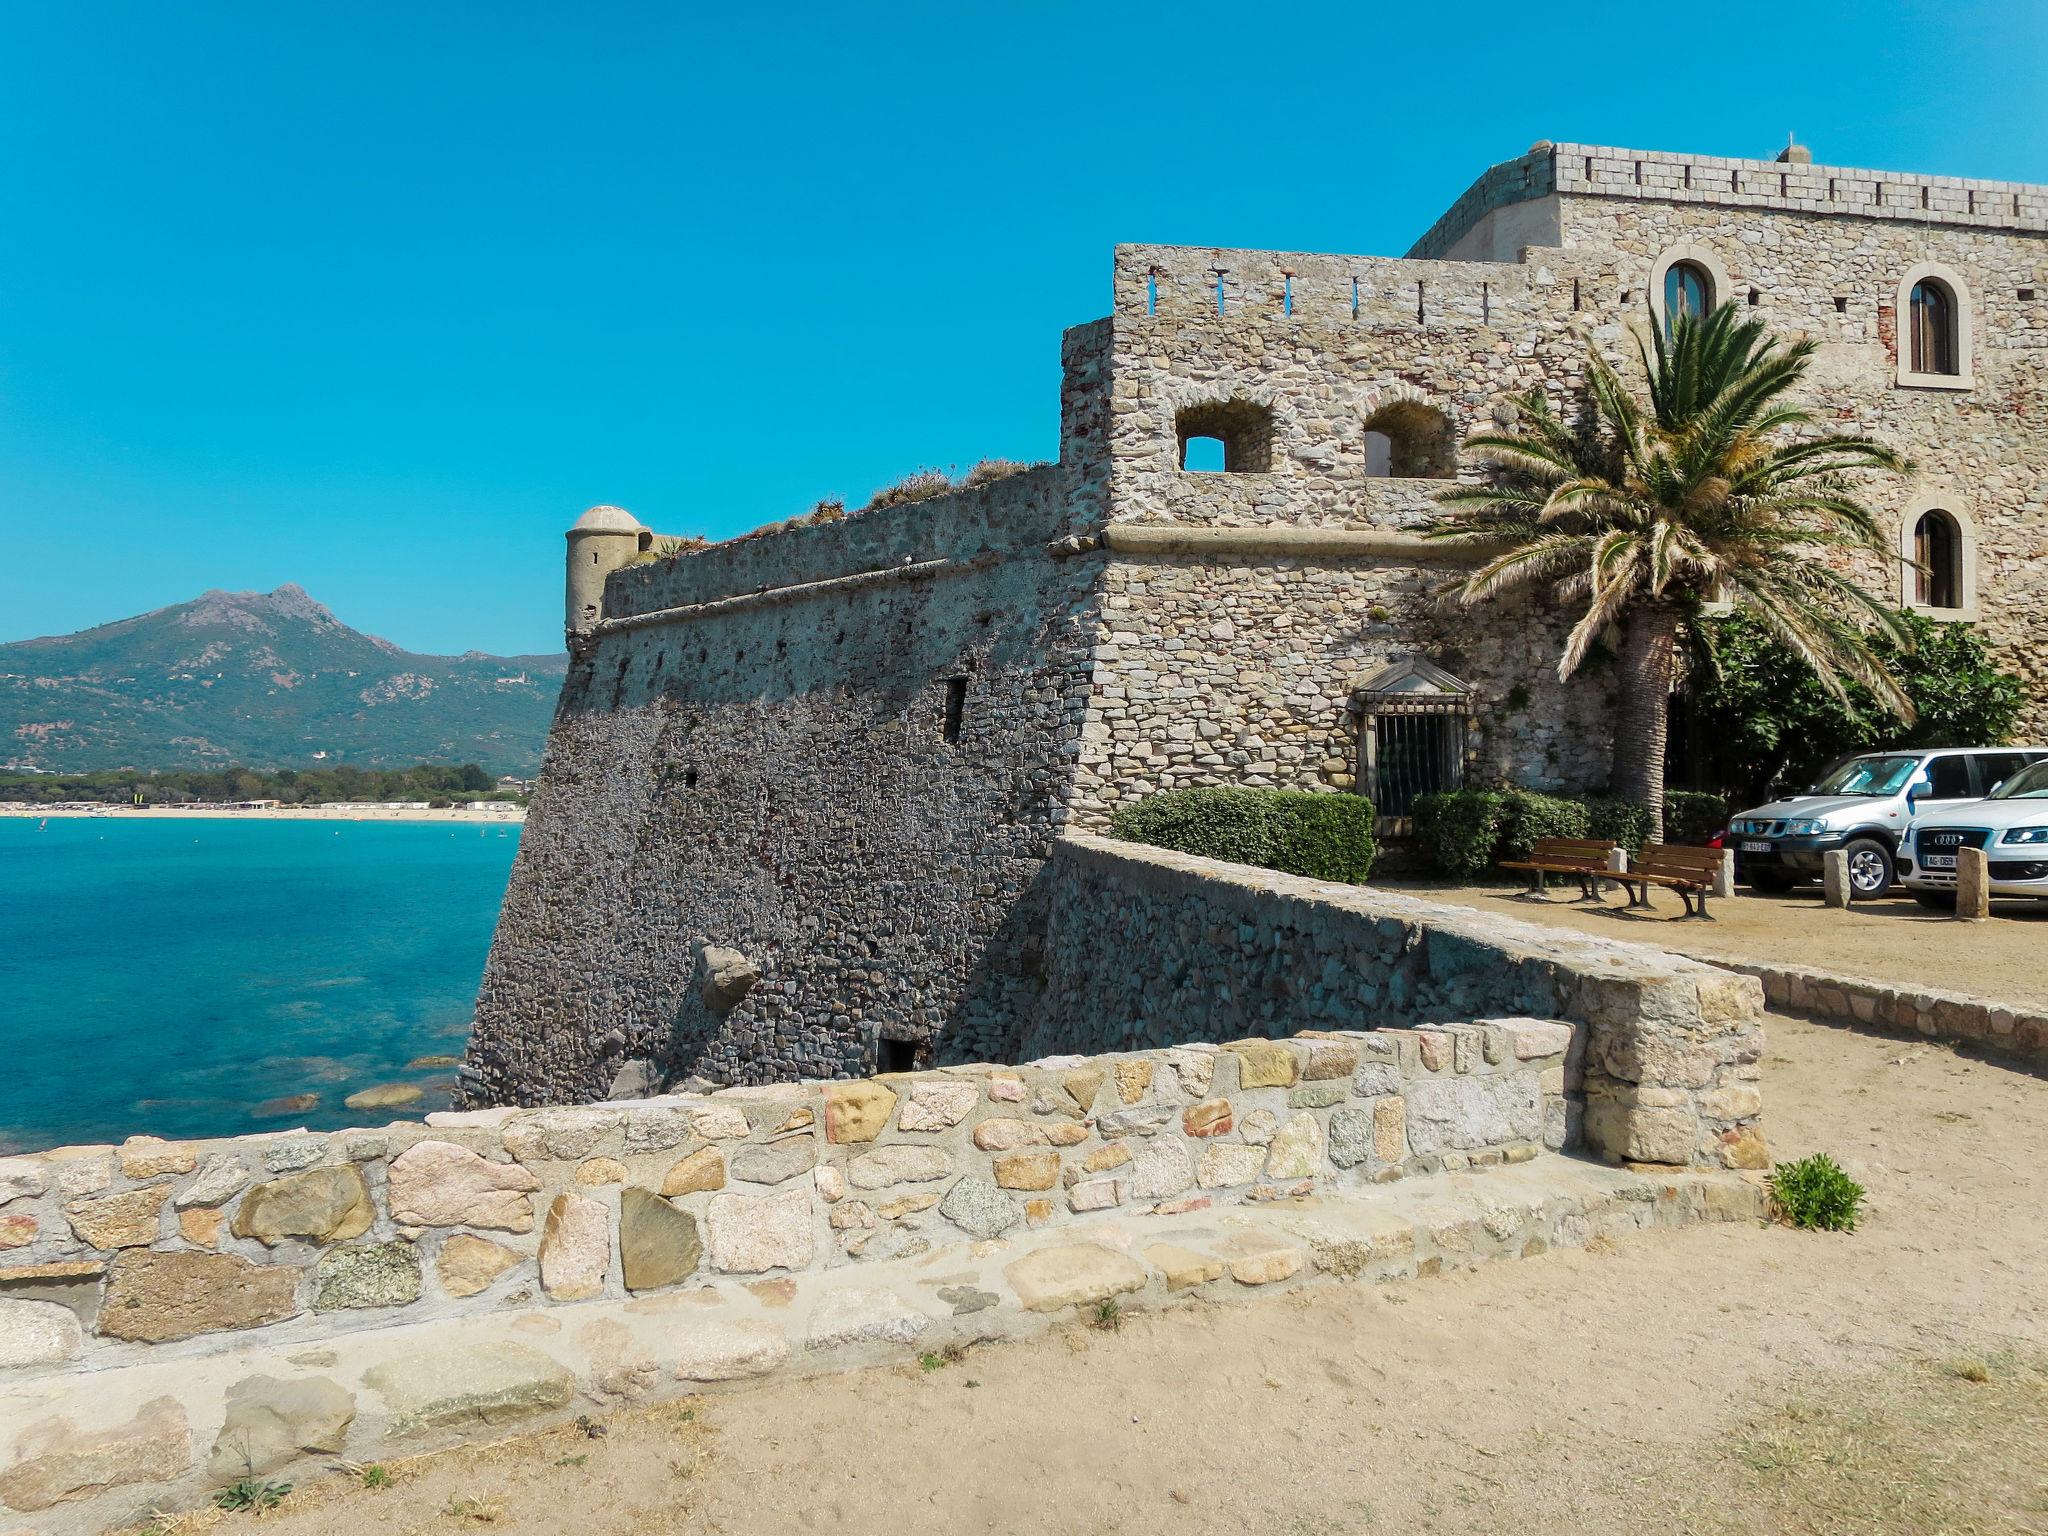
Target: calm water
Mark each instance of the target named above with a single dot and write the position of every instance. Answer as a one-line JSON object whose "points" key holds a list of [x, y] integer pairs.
{"points": [[170, 976]]}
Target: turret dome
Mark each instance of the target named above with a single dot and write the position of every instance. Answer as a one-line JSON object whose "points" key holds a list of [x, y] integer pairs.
{"points": [[607, 519]]}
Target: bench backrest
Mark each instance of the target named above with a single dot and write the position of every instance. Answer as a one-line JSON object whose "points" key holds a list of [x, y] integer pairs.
{"points": [[1677, 862], [1571, 850]]}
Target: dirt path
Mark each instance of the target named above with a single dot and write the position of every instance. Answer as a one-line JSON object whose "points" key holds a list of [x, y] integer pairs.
{"points": [[1716, 1380], [1895, 939]]}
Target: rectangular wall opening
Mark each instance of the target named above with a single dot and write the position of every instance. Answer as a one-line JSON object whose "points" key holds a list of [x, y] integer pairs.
{"points": [[956, 707]]}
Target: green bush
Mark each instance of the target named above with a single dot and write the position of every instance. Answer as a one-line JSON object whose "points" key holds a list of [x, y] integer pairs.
{"points": [[1325, 837], [1322, 836], [1458, 831], [1692, 818], [1530, 817], [1815, 1192], [1623, 822]]}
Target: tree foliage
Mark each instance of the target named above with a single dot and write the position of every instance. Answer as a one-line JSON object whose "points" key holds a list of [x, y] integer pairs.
{"points": [[1641, 512], [1766, 724], [293, 786]]}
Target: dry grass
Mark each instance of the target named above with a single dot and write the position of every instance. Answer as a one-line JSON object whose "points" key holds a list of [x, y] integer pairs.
{"points": [[1950, 1448]]}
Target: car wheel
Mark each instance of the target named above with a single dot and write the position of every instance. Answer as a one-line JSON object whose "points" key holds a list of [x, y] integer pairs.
{"points": [[1936, 901], [1769, 882], [1870, 868]]}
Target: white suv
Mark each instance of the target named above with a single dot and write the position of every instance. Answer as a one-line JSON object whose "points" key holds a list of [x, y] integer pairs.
{"points": [[2010, 825]]}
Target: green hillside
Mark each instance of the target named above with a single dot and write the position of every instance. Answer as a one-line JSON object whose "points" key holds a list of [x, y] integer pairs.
{"points": [[264, 679]]}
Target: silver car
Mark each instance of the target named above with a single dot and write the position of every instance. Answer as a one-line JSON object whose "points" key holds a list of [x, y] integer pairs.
{"points": [[2010, 825], [1862, 806]]}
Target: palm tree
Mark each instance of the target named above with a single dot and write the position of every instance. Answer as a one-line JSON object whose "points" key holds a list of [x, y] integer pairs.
{"points": [[1720, 490]]}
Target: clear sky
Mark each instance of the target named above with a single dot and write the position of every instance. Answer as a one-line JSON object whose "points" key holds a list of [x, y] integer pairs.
{"points": [[376, 298]]}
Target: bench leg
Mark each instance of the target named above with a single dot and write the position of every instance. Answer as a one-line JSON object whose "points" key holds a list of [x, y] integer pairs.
{"points": [[1538, 883], [1696, 904], [1589, 890], [1638, 894]]}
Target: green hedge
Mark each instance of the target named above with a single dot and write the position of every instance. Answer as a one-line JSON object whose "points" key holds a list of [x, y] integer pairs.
{"points": [[1468, 831], [1322, 836], [1692, 818], [1459, 831]]}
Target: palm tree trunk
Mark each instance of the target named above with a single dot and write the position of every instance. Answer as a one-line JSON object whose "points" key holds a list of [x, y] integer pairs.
{"points": [[1642, 718]]}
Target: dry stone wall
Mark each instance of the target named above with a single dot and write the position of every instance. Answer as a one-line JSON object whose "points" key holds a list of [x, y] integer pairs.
{"points": [[156, 1244], [1148, 943]]}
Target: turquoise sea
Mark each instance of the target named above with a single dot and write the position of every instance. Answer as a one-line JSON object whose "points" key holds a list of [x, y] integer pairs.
{"points": [[170, 977]]}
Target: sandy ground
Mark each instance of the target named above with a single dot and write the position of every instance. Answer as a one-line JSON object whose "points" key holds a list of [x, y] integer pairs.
{"points": [[1895, 939], [1718, 1380], [511, 815]]}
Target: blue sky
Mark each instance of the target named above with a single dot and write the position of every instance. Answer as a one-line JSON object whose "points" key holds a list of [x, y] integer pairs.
{"points": [[376, 298]]}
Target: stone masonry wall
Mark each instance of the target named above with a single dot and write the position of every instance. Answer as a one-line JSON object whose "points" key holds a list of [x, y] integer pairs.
{"points": [[175, 1245], [767, 772], [1147, 944]]}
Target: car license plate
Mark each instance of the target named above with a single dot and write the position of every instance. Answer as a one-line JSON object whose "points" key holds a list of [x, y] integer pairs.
{"points": [[1758, 848], [1938, 860]]}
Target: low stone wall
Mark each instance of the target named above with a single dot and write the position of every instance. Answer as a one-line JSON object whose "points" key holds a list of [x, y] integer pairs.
{"points": [[1146, 943], [2007, 1028], [115, 1250]]}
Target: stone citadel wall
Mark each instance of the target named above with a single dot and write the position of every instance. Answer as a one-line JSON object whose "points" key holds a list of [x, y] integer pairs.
{"points": [[769, 772]]}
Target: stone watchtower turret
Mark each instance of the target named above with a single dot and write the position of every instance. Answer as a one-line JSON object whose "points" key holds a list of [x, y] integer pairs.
{"points": [[602, 541]]}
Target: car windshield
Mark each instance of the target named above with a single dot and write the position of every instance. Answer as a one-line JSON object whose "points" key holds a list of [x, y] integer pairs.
{"points": [[1868, 776], [2030, 783]]}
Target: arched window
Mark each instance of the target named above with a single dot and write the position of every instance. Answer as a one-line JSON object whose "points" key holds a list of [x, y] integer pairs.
{"points": [[1408, 440], [1938, 552], [1933, 326], [1688, 290]]}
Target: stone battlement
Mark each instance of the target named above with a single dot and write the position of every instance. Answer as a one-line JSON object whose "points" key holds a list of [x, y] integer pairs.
{"points": [[1592, 170]]}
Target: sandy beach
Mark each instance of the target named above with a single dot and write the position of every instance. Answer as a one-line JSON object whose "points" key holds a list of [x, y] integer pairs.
{"points": [[506, 815]]}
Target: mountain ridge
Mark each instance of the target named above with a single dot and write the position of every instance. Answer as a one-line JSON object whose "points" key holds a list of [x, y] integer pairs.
{"points": [[264, 680]]}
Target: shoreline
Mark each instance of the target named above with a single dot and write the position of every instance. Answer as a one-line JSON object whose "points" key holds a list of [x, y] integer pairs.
{"points": [[510, 816]]}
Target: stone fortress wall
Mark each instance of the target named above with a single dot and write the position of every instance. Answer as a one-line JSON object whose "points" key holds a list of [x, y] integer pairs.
{"points": [[750, 756]]}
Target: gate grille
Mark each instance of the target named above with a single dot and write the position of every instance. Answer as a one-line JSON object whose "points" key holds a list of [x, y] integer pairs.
{"points": [[1415, 753]]}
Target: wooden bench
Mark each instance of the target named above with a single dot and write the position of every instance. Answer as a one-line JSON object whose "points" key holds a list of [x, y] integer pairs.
{"points": [[1689, 871], [1585, 858]]}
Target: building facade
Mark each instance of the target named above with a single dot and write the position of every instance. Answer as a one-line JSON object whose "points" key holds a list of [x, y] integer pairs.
{"points": [[832, 759]]}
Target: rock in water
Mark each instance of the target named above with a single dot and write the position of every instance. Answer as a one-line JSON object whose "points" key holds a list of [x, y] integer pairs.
{"points": [[384, 1096], [277, 1109], [429, 1063]]}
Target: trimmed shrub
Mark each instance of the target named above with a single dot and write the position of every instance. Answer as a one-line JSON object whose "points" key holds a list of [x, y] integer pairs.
{"points": [[1322, 836], [1623, 822], [1530, 816], [1325, 837], [1814, 1192], [1459, 831], [1693, 818]]}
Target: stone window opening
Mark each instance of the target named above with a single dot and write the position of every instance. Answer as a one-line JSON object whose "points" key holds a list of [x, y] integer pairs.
{"points": [[1410, 441], [895, 1056], [1236, 437], [1934, 311], [956, 708], [1414, 722], [1938, 560], [1687, 280], [1938, 555], [1688, 290], [1933, 327]]}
